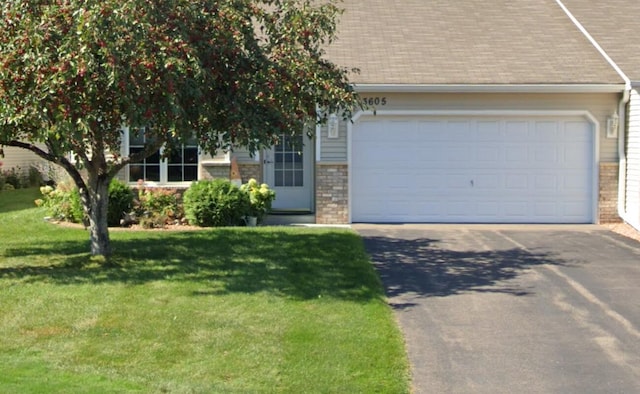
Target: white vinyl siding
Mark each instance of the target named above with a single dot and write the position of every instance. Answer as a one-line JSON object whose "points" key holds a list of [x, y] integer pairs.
{"points": [[482, 169], [633, 161]]}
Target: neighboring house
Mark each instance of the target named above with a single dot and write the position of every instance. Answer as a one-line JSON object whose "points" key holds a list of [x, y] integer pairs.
{"points": [[20, 159], [485, 111], [613, 25]]}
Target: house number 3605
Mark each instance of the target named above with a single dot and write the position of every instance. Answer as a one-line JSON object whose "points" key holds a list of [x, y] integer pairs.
{"points": [[375, 100]]}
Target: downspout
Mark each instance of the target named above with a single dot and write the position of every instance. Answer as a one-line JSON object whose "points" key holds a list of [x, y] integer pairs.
{"points": [[622, 159], [622, 156]]}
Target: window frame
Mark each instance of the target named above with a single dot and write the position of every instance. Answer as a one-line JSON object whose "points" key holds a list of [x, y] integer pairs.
{"points": [[164, 166]]}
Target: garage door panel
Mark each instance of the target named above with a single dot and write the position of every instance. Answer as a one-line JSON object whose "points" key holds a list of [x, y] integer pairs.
{"points": [[546, 182], [489, 153], [472, 170], [516, 153], [516, 131]]}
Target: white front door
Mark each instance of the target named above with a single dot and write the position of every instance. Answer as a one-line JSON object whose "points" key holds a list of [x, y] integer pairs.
{"points": [[288, 169]]}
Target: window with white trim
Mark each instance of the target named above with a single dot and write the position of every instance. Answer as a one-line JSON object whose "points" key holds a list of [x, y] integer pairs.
{"points": [[181, 165]]}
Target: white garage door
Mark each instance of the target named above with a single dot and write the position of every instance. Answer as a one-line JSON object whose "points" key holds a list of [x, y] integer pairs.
{"points": [[482, 170]]}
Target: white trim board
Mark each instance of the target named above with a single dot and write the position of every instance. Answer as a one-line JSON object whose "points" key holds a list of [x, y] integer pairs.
{"points": [[488, 88]]}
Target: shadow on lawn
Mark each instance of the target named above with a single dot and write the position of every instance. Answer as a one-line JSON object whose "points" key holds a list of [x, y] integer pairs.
{"points": [[422, 268], [293, 264]]}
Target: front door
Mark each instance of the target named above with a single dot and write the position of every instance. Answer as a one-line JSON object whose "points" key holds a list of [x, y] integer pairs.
{"points": [[288, 171]]}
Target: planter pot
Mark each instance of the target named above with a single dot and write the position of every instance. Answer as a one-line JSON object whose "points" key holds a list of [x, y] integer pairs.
{"points": [[251, 221]]}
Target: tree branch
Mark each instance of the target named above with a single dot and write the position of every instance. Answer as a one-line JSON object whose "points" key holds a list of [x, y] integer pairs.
{"points": [[51, 156], [148, 150]]}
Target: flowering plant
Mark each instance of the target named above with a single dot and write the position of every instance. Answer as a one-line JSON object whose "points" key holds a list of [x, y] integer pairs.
{"points": [[260, 198]]}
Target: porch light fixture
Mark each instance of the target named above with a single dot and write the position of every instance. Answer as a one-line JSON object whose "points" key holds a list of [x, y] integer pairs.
{"points": [[332, 126], [612, 126]]}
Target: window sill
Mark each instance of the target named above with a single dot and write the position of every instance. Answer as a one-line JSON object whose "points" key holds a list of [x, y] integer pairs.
{"points": [[215, 163], [165, 185]]}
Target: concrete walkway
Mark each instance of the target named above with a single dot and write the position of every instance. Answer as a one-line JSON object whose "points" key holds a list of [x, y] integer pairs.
{"points": [[513, 309]]}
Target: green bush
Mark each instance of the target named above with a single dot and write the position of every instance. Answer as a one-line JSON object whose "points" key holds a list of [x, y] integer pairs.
{"points": [[16, 178], [120, 202], [215, 203], [260, 198], [157, 207], [62, 203], [35, 177]]}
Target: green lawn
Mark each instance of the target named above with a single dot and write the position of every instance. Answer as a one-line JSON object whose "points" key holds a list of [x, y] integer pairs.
{"points": [[236, 310]]}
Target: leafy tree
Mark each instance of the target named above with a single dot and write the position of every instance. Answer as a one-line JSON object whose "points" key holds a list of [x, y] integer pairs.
{"points": [[230, 72]]}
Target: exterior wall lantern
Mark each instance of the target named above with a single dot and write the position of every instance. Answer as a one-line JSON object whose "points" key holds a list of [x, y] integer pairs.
{"points": [[333, 130], [612, 126]]}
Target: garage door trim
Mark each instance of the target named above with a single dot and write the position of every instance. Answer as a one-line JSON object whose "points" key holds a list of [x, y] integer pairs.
{"points": [[484, 113]]}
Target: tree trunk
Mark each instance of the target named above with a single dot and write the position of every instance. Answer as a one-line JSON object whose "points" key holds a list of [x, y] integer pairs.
{"points": [[96, 206]]}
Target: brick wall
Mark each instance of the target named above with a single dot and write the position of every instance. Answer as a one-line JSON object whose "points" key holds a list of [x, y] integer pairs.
{"points": [[216, 171], [332, 193], [608, 193], [248, 171]]}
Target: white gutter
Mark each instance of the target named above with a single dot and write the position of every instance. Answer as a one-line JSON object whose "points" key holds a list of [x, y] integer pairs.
{"points": [[489, 88]]}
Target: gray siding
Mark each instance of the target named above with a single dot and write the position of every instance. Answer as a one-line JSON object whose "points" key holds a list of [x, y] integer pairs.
{"points": [[334, 150]]}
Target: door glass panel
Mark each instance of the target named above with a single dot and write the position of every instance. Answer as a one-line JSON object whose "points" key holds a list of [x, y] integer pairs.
{"points": [[288, 162], [298, 176]]}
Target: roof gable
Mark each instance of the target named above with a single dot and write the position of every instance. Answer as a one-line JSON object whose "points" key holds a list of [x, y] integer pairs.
{"points": [[465, 42]]}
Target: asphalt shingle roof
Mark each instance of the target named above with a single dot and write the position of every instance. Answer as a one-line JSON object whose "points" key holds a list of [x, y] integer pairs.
{"points": [[615, 25], [465, 42]]}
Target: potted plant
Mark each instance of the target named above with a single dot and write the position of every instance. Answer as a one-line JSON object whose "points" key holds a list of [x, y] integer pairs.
{"points": [[260, 198]]}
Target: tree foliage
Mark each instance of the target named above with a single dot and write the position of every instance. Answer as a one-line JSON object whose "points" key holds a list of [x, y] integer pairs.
{"points": [[232, 72]]}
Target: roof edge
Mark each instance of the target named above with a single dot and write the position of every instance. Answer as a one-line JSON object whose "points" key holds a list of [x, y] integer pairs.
{"points": [[490, 88], [595, 44]]}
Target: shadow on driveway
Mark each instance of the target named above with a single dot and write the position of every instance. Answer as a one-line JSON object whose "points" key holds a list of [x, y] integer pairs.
{"points": [[421, 268]]}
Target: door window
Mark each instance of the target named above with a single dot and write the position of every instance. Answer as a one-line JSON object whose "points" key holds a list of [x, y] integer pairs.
{"points": [[288, 162]]}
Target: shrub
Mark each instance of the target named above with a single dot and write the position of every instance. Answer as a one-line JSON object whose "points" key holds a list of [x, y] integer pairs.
{"points": [[157, 207], [2, 179], [260, 198], [16, 178], [35, 177], [62, 203], [215, 203], [120, 202]]}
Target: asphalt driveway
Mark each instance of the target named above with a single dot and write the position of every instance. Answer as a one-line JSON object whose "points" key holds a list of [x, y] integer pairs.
{"points": [[506, 309]]}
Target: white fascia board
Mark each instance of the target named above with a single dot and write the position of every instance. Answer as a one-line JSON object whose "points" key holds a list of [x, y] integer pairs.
{"points": [[490, 88]]}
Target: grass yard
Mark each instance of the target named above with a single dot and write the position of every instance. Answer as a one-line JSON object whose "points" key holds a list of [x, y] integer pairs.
{"points": [[235, 310]]}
